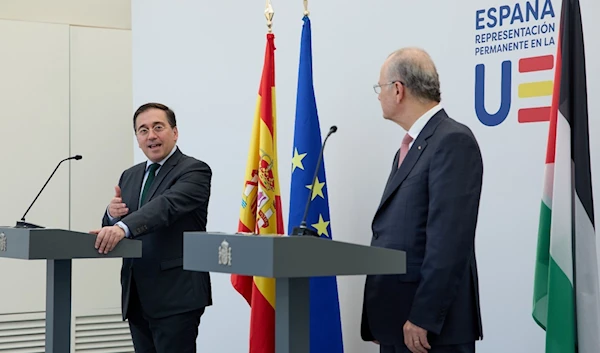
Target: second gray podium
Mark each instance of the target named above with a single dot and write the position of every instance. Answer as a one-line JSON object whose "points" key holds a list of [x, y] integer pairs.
{"points": [[291, 260]]}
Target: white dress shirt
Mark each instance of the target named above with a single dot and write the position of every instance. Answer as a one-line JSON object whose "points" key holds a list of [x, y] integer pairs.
{"points": [[418, 126]]}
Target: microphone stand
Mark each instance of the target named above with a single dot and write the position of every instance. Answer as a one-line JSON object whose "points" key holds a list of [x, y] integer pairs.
{"points": [[22, 223], [303, 229]]}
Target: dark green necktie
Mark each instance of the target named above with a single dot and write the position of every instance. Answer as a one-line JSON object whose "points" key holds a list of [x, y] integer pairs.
{"points": [[149, 180]]}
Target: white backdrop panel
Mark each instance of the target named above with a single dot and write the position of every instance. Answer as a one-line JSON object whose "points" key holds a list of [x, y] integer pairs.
{"points": [[205, 59]]}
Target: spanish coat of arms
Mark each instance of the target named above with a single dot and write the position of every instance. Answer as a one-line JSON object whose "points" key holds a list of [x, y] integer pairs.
{"points": [[225, 254], [2, 242]]}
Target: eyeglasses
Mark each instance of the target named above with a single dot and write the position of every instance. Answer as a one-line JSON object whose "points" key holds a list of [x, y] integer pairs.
{"points": [[144, 131], [377, 87]]}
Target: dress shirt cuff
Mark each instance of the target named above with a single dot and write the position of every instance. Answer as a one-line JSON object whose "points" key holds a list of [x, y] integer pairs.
{"points": [[125, 228], [110, 218]]}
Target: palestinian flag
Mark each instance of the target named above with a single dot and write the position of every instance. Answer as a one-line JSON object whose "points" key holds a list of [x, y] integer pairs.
{"points": [[566, 293]]}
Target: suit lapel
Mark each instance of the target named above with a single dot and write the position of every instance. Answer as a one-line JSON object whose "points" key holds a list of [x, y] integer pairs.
{"points": [[394, 169], [407, 165], [411, 158], [162, 173]]}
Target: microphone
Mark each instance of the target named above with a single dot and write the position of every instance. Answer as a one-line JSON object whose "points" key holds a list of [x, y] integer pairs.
{"points": [[22, 223], [302, 229]]}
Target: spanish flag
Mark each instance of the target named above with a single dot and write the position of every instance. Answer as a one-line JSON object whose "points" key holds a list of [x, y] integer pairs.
{"points": [[261, 211]]}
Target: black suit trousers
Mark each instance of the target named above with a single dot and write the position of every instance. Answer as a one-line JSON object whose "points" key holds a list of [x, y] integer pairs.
{"points": [[172, 334], [454, 348]]}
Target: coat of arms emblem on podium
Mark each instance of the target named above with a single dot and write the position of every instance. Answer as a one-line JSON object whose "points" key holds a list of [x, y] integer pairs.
{"points": [[2, 242], [225, 254]]}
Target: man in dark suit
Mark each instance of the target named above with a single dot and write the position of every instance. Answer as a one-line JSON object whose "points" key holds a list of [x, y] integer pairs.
{"points": [[155, 202], [429, 210]]}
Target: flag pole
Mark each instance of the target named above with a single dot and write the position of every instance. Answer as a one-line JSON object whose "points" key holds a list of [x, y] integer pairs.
{"points": [[269, 13], [306, 12]]}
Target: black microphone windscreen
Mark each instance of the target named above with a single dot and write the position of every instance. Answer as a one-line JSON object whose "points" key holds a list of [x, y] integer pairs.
{"points": [[78, 157]]}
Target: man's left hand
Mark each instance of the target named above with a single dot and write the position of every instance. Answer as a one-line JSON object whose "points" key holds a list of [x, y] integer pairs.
{"points": [[415, 338], [107, 238]]}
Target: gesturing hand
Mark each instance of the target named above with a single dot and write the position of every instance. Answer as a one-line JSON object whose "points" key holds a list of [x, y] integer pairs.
{"points": [[117, 208], [415, 338]]}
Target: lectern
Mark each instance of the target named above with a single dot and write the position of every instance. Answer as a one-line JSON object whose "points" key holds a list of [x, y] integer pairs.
{"points": [[58, 247], [291, 260]]}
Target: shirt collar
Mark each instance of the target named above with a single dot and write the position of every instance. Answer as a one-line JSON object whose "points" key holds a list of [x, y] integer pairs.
{"points": [[416, 128], [149, 162]]}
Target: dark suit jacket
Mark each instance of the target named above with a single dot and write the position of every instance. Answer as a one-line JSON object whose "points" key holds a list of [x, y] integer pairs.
{"points": [[176, 202], [429, 210]]}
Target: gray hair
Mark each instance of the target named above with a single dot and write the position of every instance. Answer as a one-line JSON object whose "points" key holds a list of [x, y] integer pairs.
{"points": [[415, 68]]}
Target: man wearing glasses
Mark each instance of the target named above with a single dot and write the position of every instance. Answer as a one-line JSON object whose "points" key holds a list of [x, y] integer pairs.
{"points": [[429, 210], [155, 202]]}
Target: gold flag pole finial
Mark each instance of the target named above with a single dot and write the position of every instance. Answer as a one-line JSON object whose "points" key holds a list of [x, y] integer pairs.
{"points": [[269, 13], [306, 12]]}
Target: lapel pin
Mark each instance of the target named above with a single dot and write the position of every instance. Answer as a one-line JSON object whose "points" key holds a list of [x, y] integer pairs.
{"points": [[419, 147]]}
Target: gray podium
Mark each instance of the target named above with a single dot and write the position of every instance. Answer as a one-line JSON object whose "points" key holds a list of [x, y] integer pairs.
{"points": [[292, 260], [58, 247]]}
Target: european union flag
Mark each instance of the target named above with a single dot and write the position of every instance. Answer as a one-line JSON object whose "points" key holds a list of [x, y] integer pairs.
{"points": [[325, 325]]}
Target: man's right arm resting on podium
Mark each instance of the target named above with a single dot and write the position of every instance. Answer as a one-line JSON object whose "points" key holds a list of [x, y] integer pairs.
{"points": [[115, 221]]}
